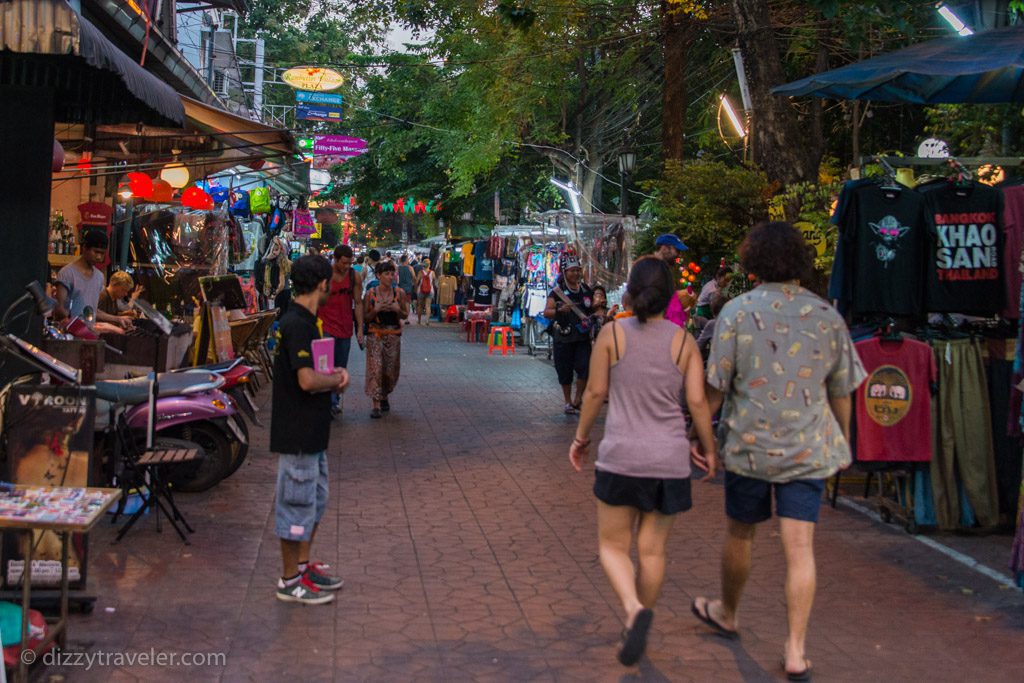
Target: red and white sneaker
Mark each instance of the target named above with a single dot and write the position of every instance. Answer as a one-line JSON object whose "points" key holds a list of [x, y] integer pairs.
{"points": [[304, 592], [317, 574]]}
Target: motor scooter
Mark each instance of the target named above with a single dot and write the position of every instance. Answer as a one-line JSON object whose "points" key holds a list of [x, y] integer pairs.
{"points": [[189, 407]]}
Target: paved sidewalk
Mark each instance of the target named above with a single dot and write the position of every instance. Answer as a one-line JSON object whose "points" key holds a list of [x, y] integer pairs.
{"points": [[469, 552]]}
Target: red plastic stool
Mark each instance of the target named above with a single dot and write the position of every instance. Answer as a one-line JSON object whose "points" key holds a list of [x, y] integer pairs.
{"points": [[501, 337], [476, 327]]}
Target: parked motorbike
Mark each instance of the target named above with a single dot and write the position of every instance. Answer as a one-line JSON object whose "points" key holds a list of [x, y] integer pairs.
{"points": [[189, 407]]}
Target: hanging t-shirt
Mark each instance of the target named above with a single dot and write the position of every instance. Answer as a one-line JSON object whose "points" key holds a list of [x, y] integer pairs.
{"points": [[483, 266], [885, 242], [894, 402], [965, 264], [1013, 220], [468, 262]]}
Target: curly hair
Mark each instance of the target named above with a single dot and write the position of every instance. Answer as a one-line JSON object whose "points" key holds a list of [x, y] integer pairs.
{"points": [[776, 252]]}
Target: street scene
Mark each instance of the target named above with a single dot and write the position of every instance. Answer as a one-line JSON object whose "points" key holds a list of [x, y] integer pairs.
{"points": [[653, 340], [468, 548]]}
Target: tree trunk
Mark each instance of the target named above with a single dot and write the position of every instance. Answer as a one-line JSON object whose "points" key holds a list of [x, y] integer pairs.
{"points": [[675, 28], [781, 147]]}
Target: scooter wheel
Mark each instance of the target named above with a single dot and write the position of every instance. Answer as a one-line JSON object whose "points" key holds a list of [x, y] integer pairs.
{"points": [[207, 472]]}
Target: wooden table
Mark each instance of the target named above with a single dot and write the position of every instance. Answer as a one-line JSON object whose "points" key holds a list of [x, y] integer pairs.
{"points": [[65, 511]]}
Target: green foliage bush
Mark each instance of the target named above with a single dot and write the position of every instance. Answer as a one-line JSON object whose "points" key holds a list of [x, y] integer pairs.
{"points": [[710, 205]]}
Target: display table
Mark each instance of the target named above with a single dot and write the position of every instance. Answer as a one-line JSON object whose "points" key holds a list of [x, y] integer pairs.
{"points": [[64, 511]]}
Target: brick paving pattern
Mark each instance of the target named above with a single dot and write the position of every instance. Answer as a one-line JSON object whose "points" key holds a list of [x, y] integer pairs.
{"points": [[468, 547]]}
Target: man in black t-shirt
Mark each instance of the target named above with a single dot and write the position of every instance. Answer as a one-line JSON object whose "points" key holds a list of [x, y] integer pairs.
{"points": [[300, 424], [570, 332]]}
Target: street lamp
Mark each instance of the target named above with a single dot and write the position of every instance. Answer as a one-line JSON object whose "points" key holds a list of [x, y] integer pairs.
{"points": [[570, 189], [953, 20], [627, 162]]}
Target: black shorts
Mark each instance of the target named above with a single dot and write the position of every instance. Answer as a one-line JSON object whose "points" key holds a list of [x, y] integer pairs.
{"points": [[749, 500], [667, 496], [572, 358]]}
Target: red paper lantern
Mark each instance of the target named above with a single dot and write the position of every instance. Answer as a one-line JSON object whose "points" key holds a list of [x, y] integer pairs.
{"points": [[162, 191], [140, 184], [196, 198]]}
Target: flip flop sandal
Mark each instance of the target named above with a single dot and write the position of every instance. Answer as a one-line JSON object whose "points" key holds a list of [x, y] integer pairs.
{"points": [[635, 638], [375, 413], [708, 620]]}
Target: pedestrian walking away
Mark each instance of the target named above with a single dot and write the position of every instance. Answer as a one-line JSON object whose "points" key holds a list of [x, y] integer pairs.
{"points": [[342, 314], [299, 433], [425, 284], [643, 365], [782, 367], [407, 280], [569, 307], [386, 307]]}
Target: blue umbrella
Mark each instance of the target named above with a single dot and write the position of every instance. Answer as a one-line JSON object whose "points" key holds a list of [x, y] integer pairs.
{"points": [[982, 68]]}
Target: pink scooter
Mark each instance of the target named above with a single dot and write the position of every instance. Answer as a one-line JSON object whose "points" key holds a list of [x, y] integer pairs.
{"points": [[190, 407]]}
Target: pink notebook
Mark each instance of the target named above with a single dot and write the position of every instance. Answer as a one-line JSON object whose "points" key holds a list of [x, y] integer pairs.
{"points": [[323, 355]]}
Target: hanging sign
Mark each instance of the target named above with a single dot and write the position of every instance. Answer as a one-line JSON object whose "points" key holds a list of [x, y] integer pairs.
{"points": [[329, 98], [316, 78], [317, 112], [812, 235], [338, 145]]}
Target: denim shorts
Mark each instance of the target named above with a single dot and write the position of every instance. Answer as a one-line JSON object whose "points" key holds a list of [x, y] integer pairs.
{"points": [[301, 494], [749, 500]]}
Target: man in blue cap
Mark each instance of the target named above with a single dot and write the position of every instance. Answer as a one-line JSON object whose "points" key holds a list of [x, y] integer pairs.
{"points": [[668, 247]]}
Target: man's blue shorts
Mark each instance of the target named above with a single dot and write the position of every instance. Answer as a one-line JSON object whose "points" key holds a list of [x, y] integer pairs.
{"points": [[301, 494], [749, 500]]}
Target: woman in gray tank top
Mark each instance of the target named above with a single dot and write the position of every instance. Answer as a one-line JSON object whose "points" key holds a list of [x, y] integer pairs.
{"points": [[648, 368]]}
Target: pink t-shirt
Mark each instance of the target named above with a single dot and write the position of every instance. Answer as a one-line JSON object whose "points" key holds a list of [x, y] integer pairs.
{"points": [[675, 312]]}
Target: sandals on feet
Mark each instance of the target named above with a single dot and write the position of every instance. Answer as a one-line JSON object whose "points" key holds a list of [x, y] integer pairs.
{"points": [[385, 406], [375, 413], [570, 409], [705, 616], [634, 638]]}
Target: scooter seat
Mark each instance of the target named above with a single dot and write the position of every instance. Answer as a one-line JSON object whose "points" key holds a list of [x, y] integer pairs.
{"points": [[136, 390]]}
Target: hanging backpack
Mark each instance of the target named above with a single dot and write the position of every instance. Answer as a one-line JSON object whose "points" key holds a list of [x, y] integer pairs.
{"points": [[241, 206], [259, 200]]}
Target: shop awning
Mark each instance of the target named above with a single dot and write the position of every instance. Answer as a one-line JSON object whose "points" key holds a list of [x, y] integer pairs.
{"points": [[983, 68], [44, 43], [243, 133]]}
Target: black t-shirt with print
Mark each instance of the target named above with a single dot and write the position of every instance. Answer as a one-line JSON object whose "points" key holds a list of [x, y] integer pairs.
{"points": [[885, 236], [583, 297], [964, 268], [300, 422]]}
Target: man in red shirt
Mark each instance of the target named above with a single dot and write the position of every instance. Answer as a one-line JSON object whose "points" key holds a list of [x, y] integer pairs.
{"points": [[343, 313]]}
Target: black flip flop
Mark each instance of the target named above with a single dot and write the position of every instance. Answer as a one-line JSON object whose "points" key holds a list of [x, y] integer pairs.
{"points": [[375, 413], [635, 638], [709, 621], [800, 676]]}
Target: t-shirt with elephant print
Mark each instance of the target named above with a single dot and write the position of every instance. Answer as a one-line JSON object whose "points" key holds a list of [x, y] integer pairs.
{"points": [[778, 354], [894, 405]]}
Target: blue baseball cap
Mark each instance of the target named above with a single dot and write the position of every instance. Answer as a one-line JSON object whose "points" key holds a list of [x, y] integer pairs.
{"points": [[670, 240]]}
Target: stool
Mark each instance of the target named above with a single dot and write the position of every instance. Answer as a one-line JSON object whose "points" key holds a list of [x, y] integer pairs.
{"points": [[501, 337], [475, 327], [149, 466]]}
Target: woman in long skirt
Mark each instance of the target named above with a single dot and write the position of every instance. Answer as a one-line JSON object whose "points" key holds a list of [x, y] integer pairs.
{"points": [[386, 306]]}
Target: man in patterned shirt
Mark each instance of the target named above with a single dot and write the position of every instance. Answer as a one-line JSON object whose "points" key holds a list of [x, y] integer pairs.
{"points": [[782, 367]]}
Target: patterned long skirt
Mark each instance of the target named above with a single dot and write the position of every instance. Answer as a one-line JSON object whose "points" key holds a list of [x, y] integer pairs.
{"points": [[383, 363]]}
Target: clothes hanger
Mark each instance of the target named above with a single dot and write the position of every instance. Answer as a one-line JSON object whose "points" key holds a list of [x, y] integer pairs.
{"points": [[889, 184]]}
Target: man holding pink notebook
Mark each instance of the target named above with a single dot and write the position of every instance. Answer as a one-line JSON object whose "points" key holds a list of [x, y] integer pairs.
{"points": [[300, 428]]}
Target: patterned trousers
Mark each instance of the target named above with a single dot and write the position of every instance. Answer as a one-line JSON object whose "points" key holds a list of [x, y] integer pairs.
{"points": [[383, 364]]}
